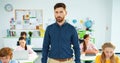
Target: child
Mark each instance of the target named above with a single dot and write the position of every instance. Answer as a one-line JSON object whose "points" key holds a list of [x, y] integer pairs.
{"points": [[87, 47], [107, 55], [23, 46], [6, 55], [24, 34]]}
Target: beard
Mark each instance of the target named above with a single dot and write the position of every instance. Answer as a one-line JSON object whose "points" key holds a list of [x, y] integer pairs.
{"points": [[59, 19]]}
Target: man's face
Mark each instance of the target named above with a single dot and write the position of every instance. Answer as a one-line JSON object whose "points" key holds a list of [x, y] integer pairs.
{"points": [[60, 14]]}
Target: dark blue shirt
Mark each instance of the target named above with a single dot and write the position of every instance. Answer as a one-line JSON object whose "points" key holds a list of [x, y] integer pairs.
{"points": [[57, 42], [28, 41]]}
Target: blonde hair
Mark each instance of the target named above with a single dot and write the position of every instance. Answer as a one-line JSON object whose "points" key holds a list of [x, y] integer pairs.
{"points": [[103, 58], [6, 51]]}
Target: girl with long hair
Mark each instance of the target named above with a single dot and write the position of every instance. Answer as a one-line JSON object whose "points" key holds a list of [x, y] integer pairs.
{"points": [[107, 55], [23, 46], [88, 47]]}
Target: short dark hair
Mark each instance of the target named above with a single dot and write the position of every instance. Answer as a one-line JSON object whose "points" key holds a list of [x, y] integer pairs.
{"points": [[60, 5], [23, 33]]}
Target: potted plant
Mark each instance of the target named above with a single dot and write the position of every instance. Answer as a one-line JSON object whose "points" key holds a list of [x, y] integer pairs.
{"points": [[30, 33]]}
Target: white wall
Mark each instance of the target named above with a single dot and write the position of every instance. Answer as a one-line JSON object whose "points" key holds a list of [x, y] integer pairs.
{"points": [[115, 36], [98, 10]]}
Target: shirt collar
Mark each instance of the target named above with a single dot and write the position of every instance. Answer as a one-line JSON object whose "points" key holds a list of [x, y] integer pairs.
{"points": [[62, 24]]}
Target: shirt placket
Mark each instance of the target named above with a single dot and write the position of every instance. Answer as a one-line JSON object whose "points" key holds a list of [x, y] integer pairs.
{"points": [[60, 45]]}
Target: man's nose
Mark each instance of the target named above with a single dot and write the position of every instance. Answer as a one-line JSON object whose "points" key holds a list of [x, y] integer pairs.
{"points": [[59, 14]]}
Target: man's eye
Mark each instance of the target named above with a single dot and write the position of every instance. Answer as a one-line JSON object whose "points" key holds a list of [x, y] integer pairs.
{"points": [[61, 11]]}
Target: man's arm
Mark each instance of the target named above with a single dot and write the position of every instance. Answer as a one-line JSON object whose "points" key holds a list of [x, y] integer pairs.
{"points": [[45, 48], [76, 47]]}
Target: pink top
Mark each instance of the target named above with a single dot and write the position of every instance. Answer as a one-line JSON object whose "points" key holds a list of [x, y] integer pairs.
{"points": [[90, 46], [28, 49]]}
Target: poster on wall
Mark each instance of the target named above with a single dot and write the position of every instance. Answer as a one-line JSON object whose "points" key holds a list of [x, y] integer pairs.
{"points": [[28, 19]]}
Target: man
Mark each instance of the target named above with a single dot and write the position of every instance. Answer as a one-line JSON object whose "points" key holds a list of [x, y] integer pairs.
{"points": [[58, 39]]}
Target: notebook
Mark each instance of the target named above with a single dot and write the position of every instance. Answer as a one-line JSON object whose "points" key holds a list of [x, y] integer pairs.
{"points": [[20, 55]]}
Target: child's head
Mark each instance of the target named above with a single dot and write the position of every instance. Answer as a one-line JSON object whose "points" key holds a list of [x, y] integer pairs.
{"points": [[108, 52], [86, 38], [23, 34], [108, 49], [22, 41], [6, 54]]}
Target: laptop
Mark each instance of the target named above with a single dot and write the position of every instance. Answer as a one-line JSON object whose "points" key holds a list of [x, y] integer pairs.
{"points": [[20, 55], [90, 54]]}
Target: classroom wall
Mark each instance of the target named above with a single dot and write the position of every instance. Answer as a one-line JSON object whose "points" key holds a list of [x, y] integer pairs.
{"points": [[115, 36], [98, 10]]}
